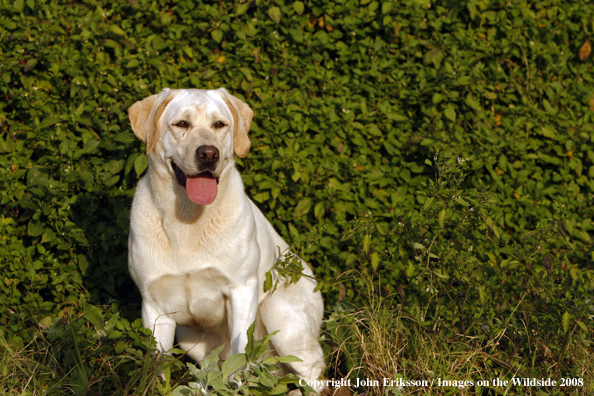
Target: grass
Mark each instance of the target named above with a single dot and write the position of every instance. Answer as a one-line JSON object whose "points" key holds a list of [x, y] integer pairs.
{"points": [[390, 344], [379, 340], [27, 369], [45, 367]]}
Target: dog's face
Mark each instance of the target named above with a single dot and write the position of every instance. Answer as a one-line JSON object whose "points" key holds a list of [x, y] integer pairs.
{"points": [[195, 133]]}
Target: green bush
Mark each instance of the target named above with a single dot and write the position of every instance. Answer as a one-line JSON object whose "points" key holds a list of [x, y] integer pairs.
{"points": [[367, 114], [249, 373]]}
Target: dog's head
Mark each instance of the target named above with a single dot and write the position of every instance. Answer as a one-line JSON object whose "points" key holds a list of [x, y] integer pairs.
{"points": [[195, 133]]}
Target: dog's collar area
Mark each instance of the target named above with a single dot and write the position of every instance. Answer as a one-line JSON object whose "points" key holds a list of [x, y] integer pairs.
{"points": [[181, 177]]}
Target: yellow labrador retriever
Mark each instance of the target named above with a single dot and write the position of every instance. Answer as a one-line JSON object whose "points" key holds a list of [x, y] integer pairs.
{"points": [[199, 247]]}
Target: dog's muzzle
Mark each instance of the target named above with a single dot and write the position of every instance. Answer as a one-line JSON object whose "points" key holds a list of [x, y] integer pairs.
{"points": [[201, 188]]}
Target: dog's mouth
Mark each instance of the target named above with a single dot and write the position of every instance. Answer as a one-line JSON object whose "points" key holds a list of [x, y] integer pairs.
{"points": [[201, 188]]}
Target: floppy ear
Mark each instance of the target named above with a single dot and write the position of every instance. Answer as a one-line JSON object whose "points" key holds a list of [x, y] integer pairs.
{"points": [[242, 119], [145, 114]]}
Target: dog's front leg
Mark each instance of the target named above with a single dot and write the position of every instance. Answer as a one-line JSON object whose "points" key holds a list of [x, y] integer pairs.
{"points": [[242, 307], [162, 326]]}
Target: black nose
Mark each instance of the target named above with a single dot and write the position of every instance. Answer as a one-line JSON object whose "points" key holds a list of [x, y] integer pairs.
{"points": [[207, 155]]}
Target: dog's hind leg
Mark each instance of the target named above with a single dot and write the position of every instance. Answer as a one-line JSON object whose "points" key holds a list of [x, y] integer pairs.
{"points": [[296, 311]]}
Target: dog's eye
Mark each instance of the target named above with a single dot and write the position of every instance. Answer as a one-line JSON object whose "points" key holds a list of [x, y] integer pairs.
{"points": [[182, 124], [219, 124]]}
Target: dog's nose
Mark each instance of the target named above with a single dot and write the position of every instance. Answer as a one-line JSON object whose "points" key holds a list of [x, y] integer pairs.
{"points": [[207, 155]]}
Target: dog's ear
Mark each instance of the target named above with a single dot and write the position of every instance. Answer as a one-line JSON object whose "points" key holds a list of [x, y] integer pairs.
{"points": [[145, 114], [242, 119]]}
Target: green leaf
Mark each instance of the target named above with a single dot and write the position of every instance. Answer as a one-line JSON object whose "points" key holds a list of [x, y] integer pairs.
{"points": [[566, 321], [319, 210], [335, 183], [166, 18], [282, 387], [48, 236], [462, 202], [281, 359], [550, 132], [582, 325], [482, 295], [112, 322], [303, 207], [83, 264], [49, 122], [366, 243], [550, 109], [496, 232], [435, 56], [132, 64], [242, 8], [275, 14], [183, 390], [249, 349], [117, 30], [472, 102], [213, 358], [130, 162], [93, 315], [375, 259], [268, 282], [35, 228], [19, 5], [410, 270], [31, 63], [440, 275], [299, 7], [450, 113], [397, 117], [217, 35], [247, 73], [441, 218], [140, 164], [267, 379], [79, 110], [188, 51], [293, 231], [233, 363]]}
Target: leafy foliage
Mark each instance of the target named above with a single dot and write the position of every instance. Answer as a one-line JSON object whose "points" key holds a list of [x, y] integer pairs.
{"points": [[455, 269], [355, 102], [94, 354], [249, 373]]}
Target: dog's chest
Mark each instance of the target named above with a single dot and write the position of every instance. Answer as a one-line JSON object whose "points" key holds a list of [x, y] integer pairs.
{"points": [[195, 234], [195, 299], [207, 232]]}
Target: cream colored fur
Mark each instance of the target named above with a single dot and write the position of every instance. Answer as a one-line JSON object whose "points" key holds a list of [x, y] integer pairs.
{"points": [[200, 268]]}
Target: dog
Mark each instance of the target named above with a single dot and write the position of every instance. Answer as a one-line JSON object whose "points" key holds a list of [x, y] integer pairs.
{"points": [[199, 248]]}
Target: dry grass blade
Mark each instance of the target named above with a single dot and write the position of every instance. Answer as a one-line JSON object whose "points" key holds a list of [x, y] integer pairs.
{"points": [[26, 369]]}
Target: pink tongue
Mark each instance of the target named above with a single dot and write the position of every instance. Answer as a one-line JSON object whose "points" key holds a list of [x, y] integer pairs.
{"points": [[201, 190]]}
